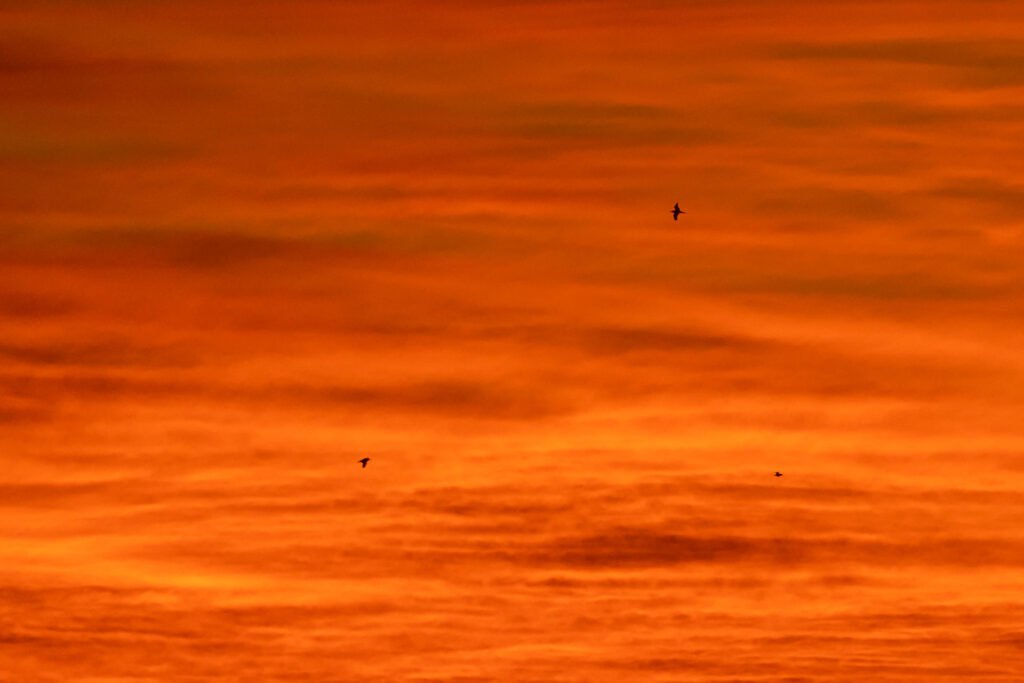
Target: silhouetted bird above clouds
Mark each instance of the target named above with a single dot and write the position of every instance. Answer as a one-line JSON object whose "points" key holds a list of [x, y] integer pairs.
{"points": [[676, 211], [364, 461], [777, 474]]}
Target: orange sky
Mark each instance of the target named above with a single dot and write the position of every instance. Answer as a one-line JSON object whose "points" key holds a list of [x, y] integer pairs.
{"points": [[243, 244]]}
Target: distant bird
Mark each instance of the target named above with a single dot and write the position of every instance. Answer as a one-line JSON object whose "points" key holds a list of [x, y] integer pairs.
{"points": [[676, 211], [364, 461], [777, 474]]}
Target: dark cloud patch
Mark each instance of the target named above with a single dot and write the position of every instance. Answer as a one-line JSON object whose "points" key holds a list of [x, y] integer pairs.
{"points": [[95, 386], [40, 147], [831, 279], [114, 353], [707, 665], [116, 495], [617, 340], [24, 53], [14, 414], [988, 63], [221, 250], [896, 114], [606, 125], [293, 191], [127, 248], [910, 285], [57, 494], [708, 581], [930, 617], [599, 339], [461, 399], [210, 251], [819, 493], [991, 193], [436, 549], [645, 548], [30, 305], [487, 502], [829, 202], [1012, 640]]}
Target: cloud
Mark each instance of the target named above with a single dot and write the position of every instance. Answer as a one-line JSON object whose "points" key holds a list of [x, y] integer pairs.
{"points": [[605, 124], [460, 399], [616, 340], [33, 305], [996, 194], [66, 494], [639, 548], [114, 353], [19, 414], [966, 63], [484, 400]]}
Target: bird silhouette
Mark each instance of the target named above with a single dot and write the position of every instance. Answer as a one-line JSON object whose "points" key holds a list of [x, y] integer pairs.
{"points": [[676, 211], [777, 474], [364, 461]]}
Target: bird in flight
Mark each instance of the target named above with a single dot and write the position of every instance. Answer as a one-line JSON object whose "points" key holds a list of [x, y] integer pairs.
{"points": [[676, 211], [364, 461], [777, 474]]}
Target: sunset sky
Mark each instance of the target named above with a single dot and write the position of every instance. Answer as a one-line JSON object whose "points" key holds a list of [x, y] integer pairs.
{"points": [[244, 244]]}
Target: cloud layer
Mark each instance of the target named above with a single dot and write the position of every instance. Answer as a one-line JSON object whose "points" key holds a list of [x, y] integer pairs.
{"points": [[245, 245]]}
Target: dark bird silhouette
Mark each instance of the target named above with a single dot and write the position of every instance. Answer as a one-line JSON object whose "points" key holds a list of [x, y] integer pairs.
{"points": [[676, 211], [777, 474], [364, 461]]}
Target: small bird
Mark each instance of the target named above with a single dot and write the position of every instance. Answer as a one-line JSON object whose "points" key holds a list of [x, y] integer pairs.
{"points": [[676, 211], [777, 474], [364, 461]]}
